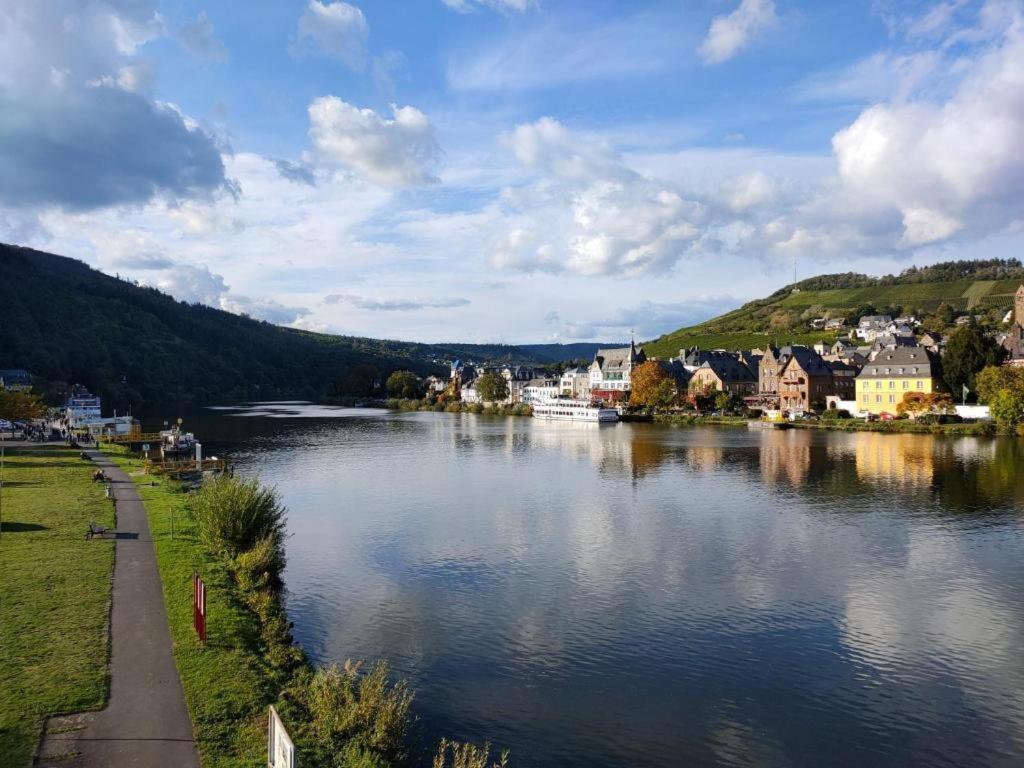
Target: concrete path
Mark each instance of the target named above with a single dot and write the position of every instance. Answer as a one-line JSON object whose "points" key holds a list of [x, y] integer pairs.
{"points": [[145, 723]]}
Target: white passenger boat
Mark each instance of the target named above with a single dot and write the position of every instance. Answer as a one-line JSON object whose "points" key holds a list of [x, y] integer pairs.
{"points": [[567, 409]]}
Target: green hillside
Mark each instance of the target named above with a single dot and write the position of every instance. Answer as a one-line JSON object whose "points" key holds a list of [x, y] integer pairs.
{"points": [[931, 293]]}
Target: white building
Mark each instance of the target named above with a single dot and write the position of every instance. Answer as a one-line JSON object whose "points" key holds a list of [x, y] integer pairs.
{"points": [[871, 326], [540, 390], [516, 377], [611, 371], [575, 383]]}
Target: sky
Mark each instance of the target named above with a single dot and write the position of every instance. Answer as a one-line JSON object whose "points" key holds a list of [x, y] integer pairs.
{"points": [[508, 170]]}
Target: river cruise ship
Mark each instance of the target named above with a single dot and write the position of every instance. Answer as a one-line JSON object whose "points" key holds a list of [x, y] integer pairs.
{"points": [[567, 409]]}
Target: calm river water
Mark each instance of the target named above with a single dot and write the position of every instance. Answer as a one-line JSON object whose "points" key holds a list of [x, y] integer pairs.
{"points": [[639, 595]]}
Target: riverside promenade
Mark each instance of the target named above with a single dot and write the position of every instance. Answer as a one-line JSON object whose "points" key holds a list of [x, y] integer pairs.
{"points": [[145, 722]]}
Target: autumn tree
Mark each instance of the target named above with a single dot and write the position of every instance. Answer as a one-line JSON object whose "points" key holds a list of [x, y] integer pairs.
{"points": [[968, 351], [916, 404], [649, 388], [403, 384], [20, 406], [492, 387]]}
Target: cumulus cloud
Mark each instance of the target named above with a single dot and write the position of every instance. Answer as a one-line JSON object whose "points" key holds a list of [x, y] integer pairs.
{"points": [[200, 40], [76, 131], [394, 305], [587, 212], [195, 285], [398, 152], [945, 166], [729, 34], [337, 30]]}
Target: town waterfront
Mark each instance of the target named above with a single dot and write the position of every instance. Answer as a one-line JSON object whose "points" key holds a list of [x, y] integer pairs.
{"points": [[647, 595]]}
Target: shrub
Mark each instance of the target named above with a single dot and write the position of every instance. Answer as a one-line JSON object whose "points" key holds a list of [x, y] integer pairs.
{"points": [[466, 756], [233, 515], [835, 414], [354, 716], [260, 567]]}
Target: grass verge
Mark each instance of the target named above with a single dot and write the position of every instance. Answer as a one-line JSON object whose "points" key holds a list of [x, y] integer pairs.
{"points": [[54, 594], [228, 683]]}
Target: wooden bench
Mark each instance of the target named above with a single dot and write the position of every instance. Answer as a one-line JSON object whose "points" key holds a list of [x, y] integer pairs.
{"points": [[95, 529]]}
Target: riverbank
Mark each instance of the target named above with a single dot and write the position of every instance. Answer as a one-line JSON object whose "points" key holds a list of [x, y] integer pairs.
{"points": [[897, 426], [228, 683], [490, 409], [55, 588], [347, 717]]}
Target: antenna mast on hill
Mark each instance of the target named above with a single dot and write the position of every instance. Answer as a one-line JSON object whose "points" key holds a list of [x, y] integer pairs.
{"points": [[794, 269]]}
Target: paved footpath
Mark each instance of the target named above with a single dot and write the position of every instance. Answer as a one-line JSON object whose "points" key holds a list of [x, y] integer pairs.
{"points": [[146, 723]]}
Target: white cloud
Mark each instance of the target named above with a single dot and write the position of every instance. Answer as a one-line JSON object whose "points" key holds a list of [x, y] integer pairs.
{"points": [[729, 34], [398, 152], [263, 309], [337, 30], [586, 212], [946, 166], [196, 285]]}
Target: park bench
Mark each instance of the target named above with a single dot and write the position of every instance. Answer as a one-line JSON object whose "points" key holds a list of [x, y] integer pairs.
{"points": [[95, 529]]}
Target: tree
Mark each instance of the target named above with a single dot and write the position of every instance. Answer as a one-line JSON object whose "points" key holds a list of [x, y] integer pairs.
{"points": [[968, 351], [723, 401], [996, 378], [701, 398], [1007, 408], [20, 406], [665, 394], [404, 384], [645, 383], [864, 310], [916, 404], [492, 387], [1002, 389]]}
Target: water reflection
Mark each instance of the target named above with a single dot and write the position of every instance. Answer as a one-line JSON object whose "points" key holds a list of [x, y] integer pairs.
{"points": [[636, 595]]}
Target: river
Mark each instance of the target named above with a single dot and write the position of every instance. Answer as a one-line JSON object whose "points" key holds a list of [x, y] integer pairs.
{"points": [[646, 595]]}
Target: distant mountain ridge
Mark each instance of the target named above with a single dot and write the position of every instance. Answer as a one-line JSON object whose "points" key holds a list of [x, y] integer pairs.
{"points": [[984, 285], [66, 322]]}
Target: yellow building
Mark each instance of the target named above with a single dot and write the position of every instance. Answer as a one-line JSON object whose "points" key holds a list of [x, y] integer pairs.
{"points": [[884, 381]]}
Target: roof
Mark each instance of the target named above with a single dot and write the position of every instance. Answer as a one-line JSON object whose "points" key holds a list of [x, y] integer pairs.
{"points": [[811, 362], [900, 361], [16, 376], [619, 358], [729, 369], [876, 319]]}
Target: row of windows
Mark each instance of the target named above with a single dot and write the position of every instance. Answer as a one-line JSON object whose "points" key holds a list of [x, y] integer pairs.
{"points": [[892, 384], [878, 398]]}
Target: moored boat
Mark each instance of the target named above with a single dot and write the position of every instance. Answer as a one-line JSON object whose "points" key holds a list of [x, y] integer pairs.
{"points": [[568, 409]]}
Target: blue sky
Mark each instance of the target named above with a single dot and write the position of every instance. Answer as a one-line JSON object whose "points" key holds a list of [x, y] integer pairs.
{"points": [[508, 170]]}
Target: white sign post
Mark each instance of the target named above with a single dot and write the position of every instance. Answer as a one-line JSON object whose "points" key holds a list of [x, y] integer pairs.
{"points": [[199, 456], [280, 749]]}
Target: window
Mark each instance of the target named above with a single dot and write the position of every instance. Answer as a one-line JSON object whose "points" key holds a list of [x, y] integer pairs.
{"points": [[878, 398], [892, 398], [906, 384], [865, 398], [920, 385], [878, 385], [892, 384]]}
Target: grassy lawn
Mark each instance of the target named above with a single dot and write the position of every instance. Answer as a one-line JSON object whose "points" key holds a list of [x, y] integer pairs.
{"points": [[54, 595], [228, 684]]}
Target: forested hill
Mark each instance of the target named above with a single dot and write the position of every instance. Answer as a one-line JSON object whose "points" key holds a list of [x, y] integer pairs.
{"points": [[933, 293], [68, 323]]}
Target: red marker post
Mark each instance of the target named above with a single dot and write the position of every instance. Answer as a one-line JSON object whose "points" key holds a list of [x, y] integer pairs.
{"points": [[199, 606]]}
